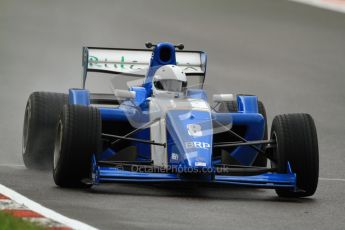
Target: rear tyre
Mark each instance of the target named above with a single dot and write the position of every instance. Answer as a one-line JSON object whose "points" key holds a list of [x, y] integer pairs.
{"points": [[231, 106], [296, 143], [41, 116], [78, 136]]}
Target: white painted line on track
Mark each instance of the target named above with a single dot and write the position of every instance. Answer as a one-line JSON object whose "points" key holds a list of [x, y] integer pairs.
{"points": [[335, 5], [75, 224], [331, 179], [13, 165]]}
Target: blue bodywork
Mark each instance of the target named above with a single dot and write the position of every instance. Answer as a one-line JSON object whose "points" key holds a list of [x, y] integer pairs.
{"points": [[178, 139]]}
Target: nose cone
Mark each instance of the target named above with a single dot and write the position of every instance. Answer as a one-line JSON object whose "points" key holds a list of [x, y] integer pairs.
{"points": [[190, 139]]}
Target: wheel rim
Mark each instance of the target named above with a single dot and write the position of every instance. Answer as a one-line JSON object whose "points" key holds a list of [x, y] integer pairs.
{"points": [[26, 127], [278, 162], [58, 143]]}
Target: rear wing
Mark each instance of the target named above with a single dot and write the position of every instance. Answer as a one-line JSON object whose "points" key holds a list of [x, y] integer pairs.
{"points": [[136, 62]]}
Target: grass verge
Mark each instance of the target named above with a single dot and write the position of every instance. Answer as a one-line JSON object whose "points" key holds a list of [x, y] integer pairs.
{"points": [[8, 222]]}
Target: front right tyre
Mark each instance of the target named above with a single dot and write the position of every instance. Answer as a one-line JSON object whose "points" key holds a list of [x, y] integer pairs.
{"points": [[78, 137], [296, 142]]}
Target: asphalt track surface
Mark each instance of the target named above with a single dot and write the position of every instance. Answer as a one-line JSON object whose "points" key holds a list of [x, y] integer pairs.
{"points": [[290, 55]]}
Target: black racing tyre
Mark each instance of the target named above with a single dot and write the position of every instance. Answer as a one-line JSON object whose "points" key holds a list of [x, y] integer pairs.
{"points": [[78, 136], [231, 106], [41, 115], [296, 143]]}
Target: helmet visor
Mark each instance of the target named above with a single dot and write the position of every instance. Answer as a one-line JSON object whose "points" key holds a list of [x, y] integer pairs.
{"points": [[169, 85]]}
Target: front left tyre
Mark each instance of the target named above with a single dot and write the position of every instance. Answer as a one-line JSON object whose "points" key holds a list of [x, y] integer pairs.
{"points": [[78, 137], [41, 116]]}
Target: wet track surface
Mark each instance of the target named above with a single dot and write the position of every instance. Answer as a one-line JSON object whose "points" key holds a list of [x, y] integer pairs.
{"points": [[290, 55]]}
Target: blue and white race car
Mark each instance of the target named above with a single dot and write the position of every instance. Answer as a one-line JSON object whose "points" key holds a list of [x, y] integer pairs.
{"points": [[163, 129]]}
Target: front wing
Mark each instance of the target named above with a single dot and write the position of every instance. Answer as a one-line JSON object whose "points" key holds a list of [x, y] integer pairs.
{"points": [[265, 180]]}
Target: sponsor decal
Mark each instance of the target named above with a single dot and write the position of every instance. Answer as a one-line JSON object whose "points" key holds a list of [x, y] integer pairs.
{"points": [[197, 145], [130, 60], [174, 156], [94, 62], [199, 163], [194, 130]]}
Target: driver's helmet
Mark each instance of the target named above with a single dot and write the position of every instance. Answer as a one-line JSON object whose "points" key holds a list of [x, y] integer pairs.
{"points": [[169, 79]]}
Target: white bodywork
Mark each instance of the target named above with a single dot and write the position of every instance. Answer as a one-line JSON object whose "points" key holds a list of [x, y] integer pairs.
{"points": [[158, 108], [223, 97]]}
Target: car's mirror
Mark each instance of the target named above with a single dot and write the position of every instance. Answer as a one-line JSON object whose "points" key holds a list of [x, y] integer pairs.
{"points": [[223, 98], [121, 94]]}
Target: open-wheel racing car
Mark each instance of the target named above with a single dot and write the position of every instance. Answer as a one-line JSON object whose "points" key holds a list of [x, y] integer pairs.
{"points": [[162, 129]]}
